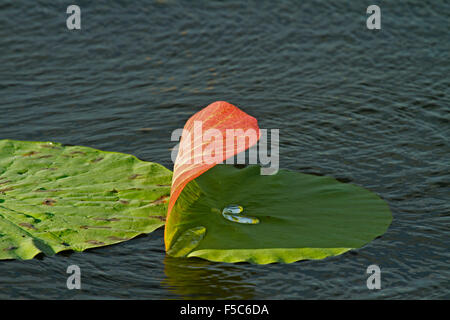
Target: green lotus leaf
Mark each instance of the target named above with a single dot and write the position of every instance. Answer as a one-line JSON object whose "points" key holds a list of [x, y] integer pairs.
{"points": [[55, 197], [300, 216]]}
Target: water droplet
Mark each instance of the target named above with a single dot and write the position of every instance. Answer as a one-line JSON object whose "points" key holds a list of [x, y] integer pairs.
{"points": [[233, 209], [233, 213]]}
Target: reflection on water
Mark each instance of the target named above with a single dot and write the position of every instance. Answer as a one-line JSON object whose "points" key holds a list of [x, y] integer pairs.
{"points": [[367, 107], [193, 278]]}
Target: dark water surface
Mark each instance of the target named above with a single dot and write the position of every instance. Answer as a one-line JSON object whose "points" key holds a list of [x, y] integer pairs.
{"points": [[368, 107]]}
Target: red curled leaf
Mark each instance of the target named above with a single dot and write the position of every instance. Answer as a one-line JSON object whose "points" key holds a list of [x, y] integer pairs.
{"points": [[201, 148]]}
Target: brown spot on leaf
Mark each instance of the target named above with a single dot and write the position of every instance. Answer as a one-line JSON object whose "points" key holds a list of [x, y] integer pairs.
{"points": [[11, 248], [160, 200], [162, 218], [27, 225], [145, 129], [49, 202], [134, 176], [31, 153], [95, 242], [163, 185], [78, 152], [4, 182], [95, 227], [124, 202], [6, 189], [97, 160], [45, 190], [45, 156]]}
